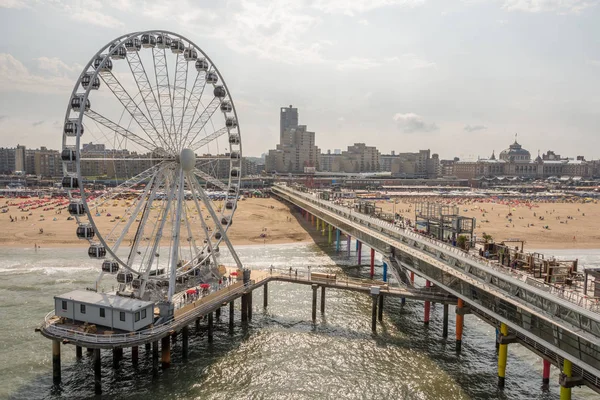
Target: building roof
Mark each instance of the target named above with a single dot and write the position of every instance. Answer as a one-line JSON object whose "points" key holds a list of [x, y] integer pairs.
{"points": [[514, 149], [105, 300]]}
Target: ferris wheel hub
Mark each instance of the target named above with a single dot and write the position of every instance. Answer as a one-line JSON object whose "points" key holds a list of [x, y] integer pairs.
{"points": [[187, 160]]}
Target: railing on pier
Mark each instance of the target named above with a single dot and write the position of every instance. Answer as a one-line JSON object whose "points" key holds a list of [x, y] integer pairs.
{"points": [[571, 296]]}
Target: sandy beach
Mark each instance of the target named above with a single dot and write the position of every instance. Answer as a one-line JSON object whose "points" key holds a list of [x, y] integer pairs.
{"points": [[564, 224], [253, 218]]}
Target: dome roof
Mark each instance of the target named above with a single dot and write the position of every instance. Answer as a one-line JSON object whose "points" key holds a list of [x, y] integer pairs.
{"points": [[515, 153]]}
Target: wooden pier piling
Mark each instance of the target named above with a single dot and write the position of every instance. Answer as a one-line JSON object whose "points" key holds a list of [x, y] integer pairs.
{"points": [[56, 362]]}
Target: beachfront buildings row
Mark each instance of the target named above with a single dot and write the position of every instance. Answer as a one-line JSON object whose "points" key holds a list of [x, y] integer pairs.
{"points": [[516, 161]]}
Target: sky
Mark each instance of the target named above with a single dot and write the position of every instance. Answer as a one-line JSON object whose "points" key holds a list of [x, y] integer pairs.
{"points": [[458, 77]]}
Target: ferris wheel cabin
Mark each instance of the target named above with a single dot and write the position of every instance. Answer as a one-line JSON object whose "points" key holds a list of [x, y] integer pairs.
{"points": [[76, 208], [124, 277], [220, 91], [85, 231], [97, 251], [190, 54], [212, 78], [107, 67], [177, 46], [201, 64], [73, 127], [77, 103], [148, 41], [70, 182], [226, 106], [119, 54], [230, 123], [68, 155], [87, 79], [110, 266], [133, 44]]}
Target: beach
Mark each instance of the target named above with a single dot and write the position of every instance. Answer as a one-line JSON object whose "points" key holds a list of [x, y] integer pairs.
{"points": [[256, 221], [564, 224]]}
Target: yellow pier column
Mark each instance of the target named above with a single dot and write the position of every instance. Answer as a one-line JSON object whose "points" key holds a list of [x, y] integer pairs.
{"points": [[317, 224], [502, 357], [330, 236], [565, 392]]}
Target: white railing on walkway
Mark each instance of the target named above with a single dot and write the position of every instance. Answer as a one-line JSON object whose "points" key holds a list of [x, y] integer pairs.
{"points": [[571, 296]]}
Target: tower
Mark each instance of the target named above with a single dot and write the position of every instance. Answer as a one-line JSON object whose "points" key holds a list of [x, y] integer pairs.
{"points": [[288, 118]]}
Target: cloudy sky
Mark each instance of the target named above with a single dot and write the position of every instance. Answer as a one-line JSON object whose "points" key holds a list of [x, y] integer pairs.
{"points": [[457, 77]]}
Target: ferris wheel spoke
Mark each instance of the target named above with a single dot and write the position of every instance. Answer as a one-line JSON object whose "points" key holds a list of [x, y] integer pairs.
{"points": [[205, 229], [179, 183], [163, 87], [202, 195], [194, 100], [212, 180], [148, 96], [179, 93], [209, 138], [130, 105], [128, 184], [146, 199], [121, 131], [201, 121]]}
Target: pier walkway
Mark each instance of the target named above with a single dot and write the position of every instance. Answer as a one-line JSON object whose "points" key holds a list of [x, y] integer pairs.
{"points": [[562, 326], [54, 328]]}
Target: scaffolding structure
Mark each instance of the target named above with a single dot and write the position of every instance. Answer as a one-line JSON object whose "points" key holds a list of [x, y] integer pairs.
{"points": [[442, 221]]}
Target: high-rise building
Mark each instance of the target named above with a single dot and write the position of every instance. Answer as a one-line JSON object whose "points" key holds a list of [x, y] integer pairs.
{"points": [[288, 119]]}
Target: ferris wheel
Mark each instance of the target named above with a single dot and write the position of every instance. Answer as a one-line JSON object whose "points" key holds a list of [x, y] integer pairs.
{"points": [[152, 117]]}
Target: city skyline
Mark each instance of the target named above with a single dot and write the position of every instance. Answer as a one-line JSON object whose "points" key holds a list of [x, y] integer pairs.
{"points": [[505, 69]]}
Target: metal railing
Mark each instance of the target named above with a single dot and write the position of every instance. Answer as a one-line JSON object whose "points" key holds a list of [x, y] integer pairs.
{"points": [[571, 296], [50, 327]]}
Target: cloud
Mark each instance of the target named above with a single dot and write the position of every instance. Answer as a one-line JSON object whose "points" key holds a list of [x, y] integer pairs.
{"points": [[17, 4], [360, 6], [413, 123], [356, 63], [15, 77], [410, 61], [595, 63], [473, 128], [557, 6], [363, 22], [37, 123]]}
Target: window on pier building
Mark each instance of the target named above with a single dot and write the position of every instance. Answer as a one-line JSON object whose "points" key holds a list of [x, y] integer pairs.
{"points": [[144, 314], [82, 308], [122, 316], [137, 316], [64, 304], [102, 313]]}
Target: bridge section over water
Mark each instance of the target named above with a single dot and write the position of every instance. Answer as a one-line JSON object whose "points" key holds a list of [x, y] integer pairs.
{"points": [[561, 326]]}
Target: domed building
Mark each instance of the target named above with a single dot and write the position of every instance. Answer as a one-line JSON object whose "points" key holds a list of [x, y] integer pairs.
{"points": [[515, 153], [515, 163]]}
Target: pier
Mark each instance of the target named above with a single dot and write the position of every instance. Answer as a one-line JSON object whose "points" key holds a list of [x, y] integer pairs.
{"points": [[157, 340], [561, 326]]}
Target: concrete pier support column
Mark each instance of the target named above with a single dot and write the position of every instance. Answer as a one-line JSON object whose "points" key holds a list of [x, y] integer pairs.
{"points": [[231, 316], [322, 299], [265, 295], [56, 362], [380, 308], [90, 350], [78, 352], [348, 244], [165, 352], [372, 263], [427, 306], [97, 372], [403, 300], [244, 309], [197, 325], [185, 333], [174, 337], [249, 305], [374, 313], [445, 323], [385, 270], [307, 215], [116, 357], [565, 392], [546, 374], [218, 313], [135, 355], [148, 347], [502, 357], [337, 240], [330, 234], [359, 250], [155, 357], [314, 303], [210, 326], [459, 325]]}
